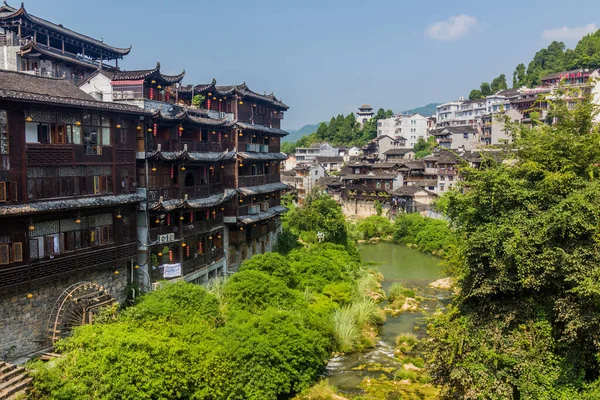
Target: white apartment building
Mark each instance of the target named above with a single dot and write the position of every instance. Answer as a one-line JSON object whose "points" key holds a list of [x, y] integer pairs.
{"points": [[446, 113], [410, 127], [309, 154]]}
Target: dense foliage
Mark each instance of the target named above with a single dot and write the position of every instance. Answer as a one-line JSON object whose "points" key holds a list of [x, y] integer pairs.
{"points": [[426, 234], [525, 322], [423, 147], [263, 333]]}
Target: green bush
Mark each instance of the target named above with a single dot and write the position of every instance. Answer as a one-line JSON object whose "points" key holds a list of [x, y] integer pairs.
{"points": [[397, 292], [373, 226], [428, 234]]}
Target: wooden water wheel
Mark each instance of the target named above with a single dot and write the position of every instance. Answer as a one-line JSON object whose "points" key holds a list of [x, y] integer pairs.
{"points": [[76, 306]]}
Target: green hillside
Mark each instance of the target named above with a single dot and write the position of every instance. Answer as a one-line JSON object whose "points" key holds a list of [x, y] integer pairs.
{"points": [[296, 134], [426, 111]]}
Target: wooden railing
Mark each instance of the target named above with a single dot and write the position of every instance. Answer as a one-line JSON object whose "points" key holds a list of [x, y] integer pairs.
{"points": [[257, 180]]}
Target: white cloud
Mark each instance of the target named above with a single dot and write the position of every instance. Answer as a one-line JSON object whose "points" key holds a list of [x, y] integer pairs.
{"points": [[451, 29], [568, 34]]}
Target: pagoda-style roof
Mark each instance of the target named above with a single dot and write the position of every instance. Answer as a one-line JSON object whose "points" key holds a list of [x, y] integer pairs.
{"points": [[11, 18], [70, 204], [201, 156], [241, 91], [194, 117], [55, 53], [261, 128], [205, 202], [18, 86], [145, 74], [268, 188], [270, 213], [252, 156]]}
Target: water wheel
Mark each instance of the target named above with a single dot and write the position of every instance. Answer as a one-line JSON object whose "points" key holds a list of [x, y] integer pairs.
{"points": [[76, 306]]}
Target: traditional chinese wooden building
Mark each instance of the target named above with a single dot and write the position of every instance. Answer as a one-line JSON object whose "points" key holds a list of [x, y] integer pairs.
{"points": [[68, 199], [37, 46]]}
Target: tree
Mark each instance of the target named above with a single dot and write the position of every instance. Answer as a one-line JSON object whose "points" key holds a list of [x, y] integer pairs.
{"points": [[519, 76], [423, 147], [475, 94], [499, 84], [486, 90], [525, 322]]}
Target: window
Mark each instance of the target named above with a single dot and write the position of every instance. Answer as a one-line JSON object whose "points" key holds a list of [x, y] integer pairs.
{"points": [[4, 149], [8, 191]]}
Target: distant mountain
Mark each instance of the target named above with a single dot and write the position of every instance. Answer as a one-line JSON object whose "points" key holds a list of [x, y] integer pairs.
{"points": [[296, 134], [426, 111]]}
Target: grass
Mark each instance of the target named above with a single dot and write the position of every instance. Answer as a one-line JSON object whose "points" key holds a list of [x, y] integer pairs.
{"points": [[347, 332], [366, 312], [321, 391], [398, 292], [406, 342]]}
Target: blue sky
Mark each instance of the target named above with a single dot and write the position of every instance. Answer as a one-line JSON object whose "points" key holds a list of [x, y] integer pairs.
{"points": [[327, 57]]}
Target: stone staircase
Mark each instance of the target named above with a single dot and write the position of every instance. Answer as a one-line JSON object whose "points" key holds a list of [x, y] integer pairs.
{"points": [[14, 382]]}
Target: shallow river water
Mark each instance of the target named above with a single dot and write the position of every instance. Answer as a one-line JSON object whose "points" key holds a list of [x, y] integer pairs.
{"points": [[413, 270]]}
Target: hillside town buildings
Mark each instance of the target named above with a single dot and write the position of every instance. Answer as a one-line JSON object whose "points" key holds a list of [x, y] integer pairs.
{"points": [[115, 179]]}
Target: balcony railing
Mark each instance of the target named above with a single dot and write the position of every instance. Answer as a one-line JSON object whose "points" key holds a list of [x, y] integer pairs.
{"points": [[202, 260], [430, 171], [257, 180], [447, 172], [154, 233]]}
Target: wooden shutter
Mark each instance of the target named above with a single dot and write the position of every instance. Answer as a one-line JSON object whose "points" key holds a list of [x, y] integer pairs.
{"points": [[104, 234], [3, 197], [4, 254], [13, 191], [48, 246], [17, 249]]}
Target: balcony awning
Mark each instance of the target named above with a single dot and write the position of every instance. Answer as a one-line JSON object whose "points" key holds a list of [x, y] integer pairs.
{"points": [[205, 202], [270, 187], [195, 156], [270, 213], [261, 128], [72, 204], [262, 156]]}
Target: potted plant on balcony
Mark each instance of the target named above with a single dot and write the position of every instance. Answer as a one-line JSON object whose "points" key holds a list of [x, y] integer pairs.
{"points": [[197, 100]]}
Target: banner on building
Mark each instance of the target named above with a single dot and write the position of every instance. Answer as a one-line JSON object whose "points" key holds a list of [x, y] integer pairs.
{"points": [[171, 270]]}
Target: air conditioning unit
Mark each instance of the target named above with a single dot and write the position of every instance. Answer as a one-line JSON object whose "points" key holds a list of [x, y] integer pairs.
{"points": [[117, 95], [128, 95], [253, 209], [171, 237], [163, 238]]}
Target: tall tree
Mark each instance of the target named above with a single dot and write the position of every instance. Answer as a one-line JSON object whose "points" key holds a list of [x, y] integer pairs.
{"points": [[486, 90], [519, 76], [499, 84], [475, 94]]}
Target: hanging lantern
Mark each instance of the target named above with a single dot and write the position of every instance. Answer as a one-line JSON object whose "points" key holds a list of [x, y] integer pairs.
{"points": [[211, 168], [119, 215], [157, 220], [136, 266], [180, 130], [160, 253], [208, 104], [187, 251], [77, 221], [154, 129], [182, 168], [207, 213], [31, 227], [214, 98], [241, 228], [191, 217], [116, 272], [199, 247], [241, 102], [219, 137], [29, 295], [172, 171], [222, 167], [153, 169], [151, 93], [209, 94], [159, 87], [170, 255], [213, 132], [181, 218], [168, 96], [241, 134], [241, 200], [226, 135], [254, 105], [149, 130], [168, 219], [118, 126], [241, 165], [222, 208], [210, 237], [139, 128], [153, 81], [77, 123], [28, 119], [219, 236], [183, 244]]}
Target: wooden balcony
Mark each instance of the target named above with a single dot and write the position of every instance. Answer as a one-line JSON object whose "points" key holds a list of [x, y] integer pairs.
{"points": [[202, 260], [204, 226], [257, 180], [67, 264]]}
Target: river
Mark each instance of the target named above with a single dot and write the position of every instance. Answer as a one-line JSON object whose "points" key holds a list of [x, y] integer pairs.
{"points": [[413, 270]]}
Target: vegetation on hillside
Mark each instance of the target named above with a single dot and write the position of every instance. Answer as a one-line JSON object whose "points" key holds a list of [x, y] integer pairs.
{"points": [[554, 58], [426, 111], [525, 322]]}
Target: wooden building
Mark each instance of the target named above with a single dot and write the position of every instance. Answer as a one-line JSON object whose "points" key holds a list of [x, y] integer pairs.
{"points": [[37, 46], [67, 195]]}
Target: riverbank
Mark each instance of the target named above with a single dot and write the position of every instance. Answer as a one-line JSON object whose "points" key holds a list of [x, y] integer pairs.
{"points": [[393, 367]]}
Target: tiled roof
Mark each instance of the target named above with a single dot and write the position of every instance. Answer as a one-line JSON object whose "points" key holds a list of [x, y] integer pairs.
{"points": [[262, 156], [461, 129], [19, 86], [147, 74], [68, 57], [409, 191], [261, 128], [241, 90], [70, 204], [398, 152], [271, 212], [370, 176], [270, 187], [200, 156], [330, 159], [205, 202]]}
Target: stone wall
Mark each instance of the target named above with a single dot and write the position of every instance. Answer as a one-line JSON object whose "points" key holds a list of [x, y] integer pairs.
{"points": [[360, 208], [23, 321], [8, 57]]}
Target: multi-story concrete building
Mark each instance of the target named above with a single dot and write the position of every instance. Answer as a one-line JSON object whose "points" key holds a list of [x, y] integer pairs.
{"points": [[309, 154], [446, 113], [408, 128]]}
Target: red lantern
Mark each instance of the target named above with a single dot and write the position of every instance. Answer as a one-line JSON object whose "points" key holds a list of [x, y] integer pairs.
{"points": [[151, 93], [168, 219], [219, 137], [168, 95], [208, 104], [207, 213], [214, 214], [187, 251], [172, 172], [191, 217], [180, 130], [170, 255], [219, 106], [154, 129], [200, 247]]}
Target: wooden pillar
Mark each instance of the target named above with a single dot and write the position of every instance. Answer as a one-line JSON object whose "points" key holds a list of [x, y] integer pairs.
{"points": [[19, 31], [34, 37], [63, 46], [48, 40]]}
